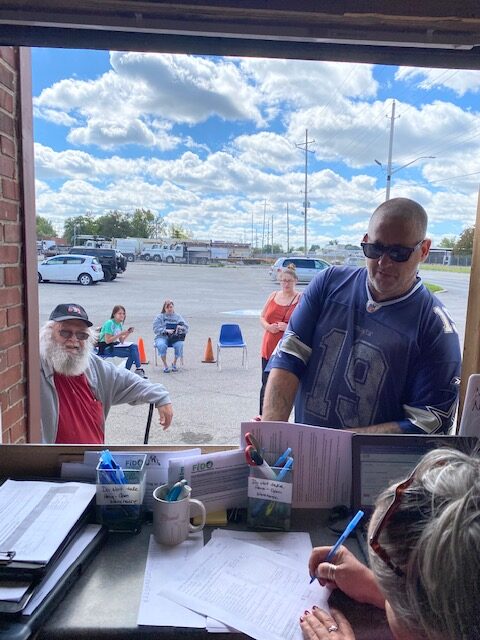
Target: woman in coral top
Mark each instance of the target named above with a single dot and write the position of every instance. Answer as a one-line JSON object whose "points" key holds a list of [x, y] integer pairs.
{"points": [[275, 315]]}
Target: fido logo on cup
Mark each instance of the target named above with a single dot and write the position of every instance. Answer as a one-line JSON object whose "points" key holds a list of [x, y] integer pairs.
{"points": [[172, 509]]}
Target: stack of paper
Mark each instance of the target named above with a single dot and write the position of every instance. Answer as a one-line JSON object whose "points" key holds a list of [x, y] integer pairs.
{"points": [[260, 589], [38, 521]]}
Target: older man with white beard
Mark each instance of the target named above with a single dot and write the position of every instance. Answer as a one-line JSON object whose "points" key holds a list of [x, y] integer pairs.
{"points": [[77, 388]]}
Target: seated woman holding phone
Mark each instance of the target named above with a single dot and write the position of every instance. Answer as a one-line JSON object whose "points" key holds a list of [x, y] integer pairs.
{"points": [[111, 341], [170, 330]]}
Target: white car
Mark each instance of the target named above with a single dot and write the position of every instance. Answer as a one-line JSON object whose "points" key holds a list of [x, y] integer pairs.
{"points": [[306, 268], [71, 268]]}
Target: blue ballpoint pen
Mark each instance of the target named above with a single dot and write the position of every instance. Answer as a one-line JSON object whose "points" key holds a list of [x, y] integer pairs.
{"points": [[348, 530], [283, 458], [174, 493], [283, 471]]}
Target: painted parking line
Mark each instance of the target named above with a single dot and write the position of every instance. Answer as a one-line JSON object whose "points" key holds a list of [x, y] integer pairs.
{"points": [[242, 312]]}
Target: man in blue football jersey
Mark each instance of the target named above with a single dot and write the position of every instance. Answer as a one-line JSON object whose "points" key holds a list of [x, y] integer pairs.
{"points": [[371, 350]]}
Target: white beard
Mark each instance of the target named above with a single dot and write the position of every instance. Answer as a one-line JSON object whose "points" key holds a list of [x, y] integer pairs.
{"points": [[67, 363]]}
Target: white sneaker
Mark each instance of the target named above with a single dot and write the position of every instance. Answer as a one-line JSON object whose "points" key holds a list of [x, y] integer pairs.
{"points": [[141, 373]]}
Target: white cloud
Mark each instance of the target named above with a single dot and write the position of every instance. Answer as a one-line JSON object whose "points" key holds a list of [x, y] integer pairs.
{"points": [[267, 150], [111, 133], [306, 83], [188, 88], [460, 81], [143, 95], [53, 115]]}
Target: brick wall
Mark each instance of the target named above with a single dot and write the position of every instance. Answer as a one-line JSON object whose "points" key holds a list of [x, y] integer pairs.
{"points": [[12, 308]]}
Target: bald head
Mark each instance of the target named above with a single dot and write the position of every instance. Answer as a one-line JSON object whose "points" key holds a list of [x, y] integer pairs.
{"points": [[402, 212]]}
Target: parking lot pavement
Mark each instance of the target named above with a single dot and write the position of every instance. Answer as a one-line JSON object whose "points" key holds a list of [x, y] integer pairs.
{"points": [[208, 404]]}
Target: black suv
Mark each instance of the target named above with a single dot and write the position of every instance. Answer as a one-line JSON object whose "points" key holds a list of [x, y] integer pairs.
{"points": [[106, 257]]}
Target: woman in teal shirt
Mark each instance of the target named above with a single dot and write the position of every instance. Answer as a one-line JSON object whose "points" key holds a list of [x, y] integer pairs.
{"points": [[113, 335]]}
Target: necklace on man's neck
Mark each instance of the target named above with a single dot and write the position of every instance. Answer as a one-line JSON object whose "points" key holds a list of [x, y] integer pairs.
{"points": [[373, 305]]}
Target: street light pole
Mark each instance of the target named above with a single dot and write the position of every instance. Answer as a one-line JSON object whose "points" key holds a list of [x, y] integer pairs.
{"points": [[390, 150], [288, 234], [304, 145]]}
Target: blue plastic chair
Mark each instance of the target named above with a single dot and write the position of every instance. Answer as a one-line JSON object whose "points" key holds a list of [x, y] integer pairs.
{"points": [[231, 338]]}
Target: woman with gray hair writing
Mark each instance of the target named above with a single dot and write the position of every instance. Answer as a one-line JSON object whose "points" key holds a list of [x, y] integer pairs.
{"points": [[424, 557]]}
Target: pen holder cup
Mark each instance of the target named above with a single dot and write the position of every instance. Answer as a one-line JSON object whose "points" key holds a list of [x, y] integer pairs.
{"points": [[120, 493], [269, 501]]}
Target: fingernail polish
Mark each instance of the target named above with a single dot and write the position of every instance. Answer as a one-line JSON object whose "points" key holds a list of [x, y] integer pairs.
{"points": [[314, 607], [302, 619], [306, 612]]}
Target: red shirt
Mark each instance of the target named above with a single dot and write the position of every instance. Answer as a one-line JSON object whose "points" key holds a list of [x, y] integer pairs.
{"points": [[80, 414], [276, 313]]}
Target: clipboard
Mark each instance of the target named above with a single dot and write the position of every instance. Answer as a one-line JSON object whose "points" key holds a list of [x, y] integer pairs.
{"points": [[17, 626], [11, 569], [14, 568]]}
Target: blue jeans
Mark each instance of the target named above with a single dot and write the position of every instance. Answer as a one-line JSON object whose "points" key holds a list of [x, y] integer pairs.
{"points": [[161, 343], [130, 352]]}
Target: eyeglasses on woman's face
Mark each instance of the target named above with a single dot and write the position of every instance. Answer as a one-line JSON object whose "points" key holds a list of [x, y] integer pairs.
{"points": [[287, 280]]}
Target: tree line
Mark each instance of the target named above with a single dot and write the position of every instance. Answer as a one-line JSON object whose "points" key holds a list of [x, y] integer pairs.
{"points": [[142, 223], [462, 244]]}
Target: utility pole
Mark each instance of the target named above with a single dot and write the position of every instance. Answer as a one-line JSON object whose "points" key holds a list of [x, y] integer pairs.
{"points": [[288, 234], [252, 231], [272, 233], [390, 151], [263, 229], [304, 145]]}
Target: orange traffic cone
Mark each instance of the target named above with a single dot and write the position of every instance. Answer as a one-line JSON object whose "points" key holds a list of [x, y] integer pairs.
{"points": [[141, 351], [208, 357]]}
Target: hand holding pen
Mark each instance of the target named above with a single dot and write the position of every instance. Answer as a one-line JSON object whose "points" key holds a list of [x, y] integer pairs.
{"points": [[330, 576]]}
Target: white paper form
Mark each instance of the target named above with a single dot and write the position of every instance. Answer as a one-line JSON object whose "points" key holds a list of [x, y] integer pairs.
{"points": [[470, 420], [78, 545], [13, 590], [248, 588], [322, 468], [156, 467], [219, 479], [35, 517], [294, 545], [158, 610]]}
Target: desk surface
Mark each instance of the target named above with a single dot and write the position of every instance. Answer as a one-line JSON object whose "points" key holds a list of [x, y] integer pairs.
{"points": [[104, 602]]}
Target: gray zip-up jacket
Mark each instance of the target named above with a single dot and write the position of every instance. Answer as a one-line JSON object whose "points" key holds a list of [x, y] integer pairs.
{"points": [[110, 385]]}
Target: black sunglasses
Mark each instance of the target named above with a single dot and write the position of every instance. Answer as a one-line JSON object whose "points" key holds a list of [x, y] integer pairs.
{"points": [[396, 252], [80, 335]]}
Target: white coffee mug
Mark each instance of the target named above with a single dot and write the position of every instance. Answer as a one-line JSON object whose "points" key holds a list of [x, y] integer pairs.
{"points": [[171, 520]]}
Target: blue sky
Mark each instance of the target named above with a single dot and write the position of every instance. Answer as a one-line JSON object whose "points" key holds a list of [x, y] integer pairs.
{"points": [[210, 143]]}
